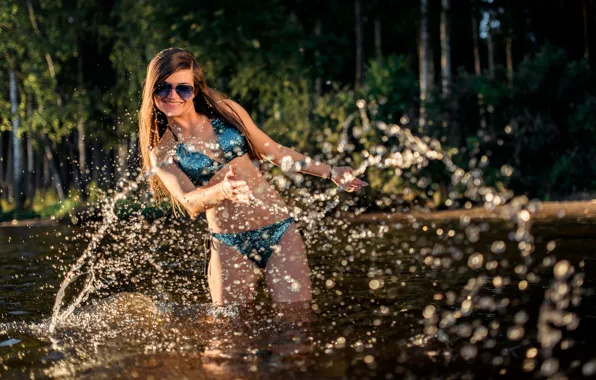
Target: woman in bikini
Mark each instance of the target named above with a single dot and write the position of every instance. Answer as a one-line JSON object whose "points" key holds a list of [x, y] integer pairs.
{"points": [[202, 146]]}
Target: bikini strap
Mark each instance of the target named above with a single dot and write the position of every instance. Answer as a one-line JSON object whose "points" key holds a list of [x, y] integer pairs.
{"points": [[173, 134]]}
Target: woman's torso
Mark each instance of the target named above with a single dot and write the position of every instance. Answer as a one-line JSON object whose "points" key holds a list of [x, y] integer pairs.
{"points": [[208, 160]]}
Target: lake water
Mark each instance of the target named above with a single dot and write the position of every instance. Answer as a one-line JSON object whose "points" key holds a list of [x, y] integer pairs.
{"points": [[383, 298]]}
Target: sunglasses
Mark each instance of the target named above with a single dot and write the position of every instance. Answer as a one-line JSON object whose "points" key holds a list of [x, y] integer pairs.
{"points": [[185, 91]]}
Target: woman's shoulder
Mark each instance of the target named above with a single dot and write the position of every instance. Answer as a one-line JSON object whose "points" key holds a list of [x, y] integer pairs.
{"points": [[164, 149]]}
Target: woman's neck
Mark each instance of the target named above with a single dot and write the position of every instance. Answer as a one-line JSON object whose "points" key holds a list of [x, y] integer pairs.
{"points": [[185, 121]]}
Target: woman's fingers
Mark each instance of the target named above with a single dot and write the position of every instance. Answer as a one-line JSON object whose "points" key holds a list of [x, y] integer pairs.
{"points": [[242, 198], [239, 192], [236, 184], [355, 185]]}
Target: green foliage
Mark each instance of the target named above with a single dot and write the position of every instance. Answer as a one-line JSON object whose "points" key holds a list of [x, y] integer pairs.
{"points": [[45, 205], [391, 85], [84, 62], [542, 126]]}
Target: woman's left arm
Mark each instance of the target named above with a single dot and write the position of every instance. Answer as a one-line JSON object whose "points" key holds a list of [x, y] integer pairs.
{"points": [[276, 153]]}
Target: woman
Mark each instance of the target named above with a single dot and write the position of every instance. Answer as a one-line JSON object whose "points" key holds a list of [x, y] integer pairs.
{"points": [[201, 147]]}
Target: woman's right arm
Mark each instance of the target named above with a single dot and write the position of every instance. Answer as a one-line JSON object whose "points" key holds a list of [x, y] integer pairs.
{"points": [[197, 199]]}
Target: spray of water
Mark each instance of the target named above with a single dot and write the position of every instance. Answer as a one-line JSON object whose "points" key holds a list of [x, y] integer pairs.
{"points": [[446, 323], [88, 256]]}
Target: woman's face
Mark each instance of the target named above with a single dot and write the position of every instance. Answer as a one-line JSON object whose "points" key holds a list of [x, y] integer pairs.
{"points": [[172, 104]]}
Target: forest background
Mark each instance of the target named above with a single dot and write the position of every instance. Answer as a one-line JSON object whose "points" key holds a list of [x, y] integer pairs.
{"points": [[505, 87]]}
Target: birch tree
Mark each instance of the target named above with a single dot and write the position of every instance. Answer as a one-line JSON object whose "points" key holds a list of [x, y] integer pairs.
{"points": [[423, 63], [445, 49]]}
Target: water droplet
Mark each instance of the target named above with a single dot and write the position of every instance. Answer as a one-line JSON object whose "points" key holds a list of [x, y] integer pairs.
{"points": [[524, 215], [429, 312], [531, 353], [515, 333], [469, 352], [521, 317], [589, 368], [562, 269], [498, 246], [295, 287], [375, 284], [549, 367], [506, 170], [475, 261]]}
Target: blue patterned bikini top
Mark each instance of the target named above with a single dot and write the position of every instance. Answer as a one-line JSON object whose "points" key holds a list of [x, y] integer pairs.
{"points": [[199, 167]]}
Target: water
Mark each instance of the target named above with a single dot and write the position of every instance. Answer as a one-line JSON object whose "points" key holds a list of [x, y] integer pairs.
{"points": [[368, 319], [460, 297]]}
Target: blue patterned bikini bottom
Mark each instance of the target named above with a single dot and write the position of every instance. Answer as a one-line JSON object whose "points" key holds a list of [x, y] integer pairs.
{"points": [[257, 245]]}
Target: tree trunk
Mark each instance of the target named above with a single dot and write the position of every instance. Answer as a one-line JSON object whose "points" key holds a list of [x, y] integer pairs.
{"points": [[53, 167], [96, 161], [46, 179], [134, 162], [477, 67], [1, 168], [423, 58], [82, 163], [430, 58], [109, 161], [445, 50], [63, 164], [39, 169], [30, 182], [9, 169], [318, 79], [491, 67], [73, 163], [17, 154], [509, 57], [378, 46], [490, 48], [586, 39], [359, 42], [123, 159]]}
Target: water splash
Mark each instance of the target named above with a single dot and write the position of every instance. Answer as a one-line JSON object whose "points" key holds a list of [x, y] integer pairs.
{"points": [[448, 323], [87, 257]]}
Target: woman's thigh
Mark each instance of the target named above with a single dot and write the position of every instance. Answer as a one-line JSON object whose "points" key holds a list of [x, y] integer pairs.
{"points": [[287, 274], [232, 277]]}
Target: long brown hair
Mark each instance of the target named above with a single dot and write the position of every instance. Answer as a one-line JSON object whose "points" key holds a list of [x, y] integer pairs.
{"points": [[153, 122]]}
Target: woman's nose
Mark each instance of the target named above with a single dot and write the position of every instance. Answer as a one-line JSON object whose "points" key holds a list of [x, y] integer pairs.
{"points": [[173, 95]]}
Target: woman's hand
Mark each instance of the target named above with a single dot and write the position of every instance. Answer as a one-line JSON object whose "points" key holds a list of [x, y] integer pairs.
{"points": [[234, 190], [344, 178]]}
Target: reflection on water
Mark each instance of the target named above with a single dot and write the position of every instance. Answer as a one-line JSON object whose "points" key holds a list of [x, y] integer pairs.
{"points": [[381, 294]]}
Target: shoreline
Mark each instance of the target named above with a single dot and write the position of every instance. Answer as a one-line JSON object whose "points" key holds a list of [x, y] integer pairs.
{"points": [[567, 211]]}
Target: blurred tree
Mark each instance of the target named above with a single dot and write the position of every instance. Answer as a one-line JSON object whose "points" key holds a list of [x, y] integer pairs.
{"points": [[445, 49], [424, 63]]}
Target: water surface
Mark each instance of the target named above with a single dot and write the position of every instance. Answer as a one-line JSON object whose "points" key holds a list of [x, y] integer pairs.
{"points": [[376, 289]]}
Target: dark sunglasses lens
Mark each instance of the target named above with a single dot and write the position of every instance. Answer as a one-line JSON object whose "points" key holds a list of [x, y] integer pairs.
{"points": [[162, 90], [185, 91]]}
